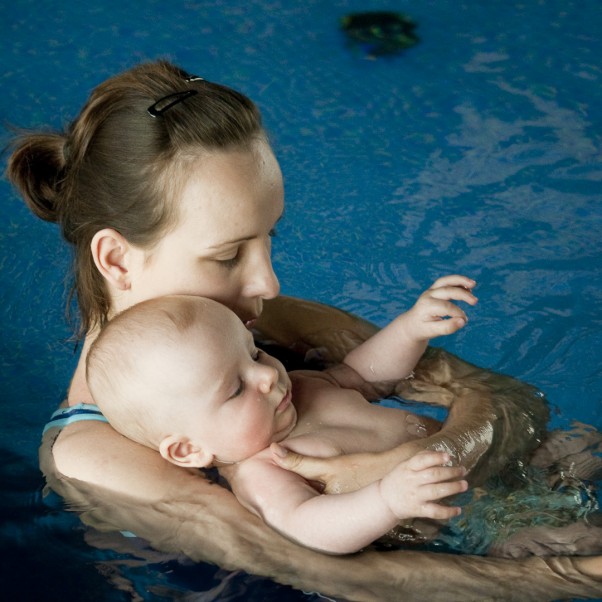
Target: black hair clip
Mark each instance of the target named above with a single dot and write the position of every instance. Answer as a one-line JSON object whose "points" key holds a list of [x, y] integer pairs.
{"points": [[165, 103]]}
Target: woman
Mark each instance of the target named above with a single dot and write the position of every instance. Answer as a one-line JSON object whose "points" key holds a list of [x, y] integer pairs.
{"points": [[165, 183]]}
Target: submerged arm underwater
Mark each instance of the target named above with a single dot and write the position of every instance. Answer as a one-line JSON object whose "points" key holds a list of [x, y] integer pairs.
{"points": [[493, 420], [196, 518]]}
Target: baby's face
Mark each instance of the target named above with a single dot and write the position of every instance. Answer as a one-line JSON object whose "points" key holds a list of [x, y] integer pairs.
{"points": [[239, 397]]}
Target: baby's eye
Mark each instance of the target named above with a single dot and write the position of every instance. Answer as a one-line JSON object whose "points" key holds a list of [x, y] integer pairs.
{"points": [[256, 355], [273, 233], [239, 390]]}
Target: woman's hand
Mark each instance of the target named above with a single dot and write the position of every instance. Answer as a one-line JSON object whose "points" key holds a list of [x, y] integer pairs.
{"points": [[467, 435], [343, 474]]}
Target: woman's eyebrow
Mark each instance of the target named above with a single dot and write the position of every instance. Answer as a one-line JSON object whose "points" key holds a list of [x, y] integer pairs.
{"points": [[225, 243], [231, 242]]}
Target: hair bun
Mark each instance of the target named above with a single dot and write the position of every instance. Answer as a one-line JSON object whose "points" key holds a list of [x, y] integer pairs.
{"points": [[36, 168]]}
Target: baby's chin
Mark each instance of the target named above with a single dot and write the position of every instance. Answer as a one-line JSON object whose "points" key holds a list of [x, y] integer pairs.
{"points": [[286, 430]]}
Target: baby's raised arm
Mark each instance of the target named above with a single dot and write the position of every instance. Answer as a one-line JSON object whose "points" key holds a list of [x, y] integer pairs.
{"points": [[345, 523], [393, 352]]}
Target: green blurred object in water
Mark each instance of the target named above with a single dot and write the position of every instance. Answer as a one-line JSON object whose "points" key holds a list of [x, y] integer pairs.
{"points": [[379, 33]]}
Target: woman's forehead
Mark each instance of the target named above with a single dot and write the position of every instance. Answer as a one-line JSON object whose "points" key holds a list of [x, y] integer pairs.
{"points": [[232, 196]]}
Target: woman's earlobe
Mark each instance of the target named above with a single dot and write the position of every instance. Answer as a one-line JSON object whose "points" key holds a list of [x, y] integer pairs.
{"points": [[109, 250], [182, 452]]}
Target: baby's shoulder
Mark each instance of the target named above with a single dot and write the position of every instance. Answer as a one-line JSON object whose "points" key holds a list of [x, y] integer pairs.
{"points": [[315, 379]]}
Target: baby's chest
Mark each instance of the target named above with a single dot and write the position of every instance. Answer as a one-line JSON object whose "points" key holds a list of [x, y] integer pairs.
{"points": [[332, 421], [345, 432]]}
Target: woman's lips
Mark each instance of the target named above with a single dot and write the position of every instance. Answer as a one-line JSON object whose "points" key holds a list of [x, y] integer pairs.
{"points": [[250, 323]]}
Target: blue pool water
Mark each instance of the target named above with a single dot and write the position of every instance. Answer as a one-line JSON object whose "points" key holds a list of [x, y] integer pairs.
{"points": [[477, 151]]}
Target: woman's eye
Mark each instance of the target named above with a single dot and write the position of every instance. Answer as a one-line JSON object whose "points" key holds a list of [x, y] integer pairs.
{"points": [[230, 262]]}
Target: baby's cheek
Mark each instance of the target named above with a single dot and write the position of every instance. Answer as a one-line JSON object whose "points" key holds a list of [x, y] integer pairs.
{"points": [[258, 435]]}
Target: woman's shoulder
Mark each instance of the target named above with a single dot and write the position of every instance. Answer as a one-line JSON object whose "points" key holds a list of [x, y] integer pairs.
{"points": [[95, 453]]}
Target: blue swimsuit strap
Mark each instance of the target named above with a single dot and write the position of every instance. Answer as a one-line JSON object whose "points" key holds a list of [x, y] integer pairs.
{"points": [[76, 413], [82, 411]]}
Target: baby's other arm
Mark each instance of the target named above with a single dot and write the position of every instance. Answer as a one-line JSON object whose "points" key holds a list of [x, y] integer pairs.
{"points": [[345, 523], [393, 352]]}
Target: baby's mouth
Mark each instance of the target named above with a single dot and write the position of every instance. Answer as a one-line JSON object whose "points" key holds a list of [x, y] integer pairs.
{"points": [[286, 400]]}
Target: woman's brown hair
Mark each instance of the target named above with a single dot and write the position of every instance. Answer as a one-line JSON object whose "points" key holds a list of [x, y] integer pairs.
{"points": [[115, 166]]}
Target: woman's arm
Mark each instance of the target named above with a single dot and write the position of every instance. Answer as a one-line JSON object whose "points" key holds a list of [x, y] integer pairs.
{"points": [[479, 398], [481, 403], [466, 436], [493, 420], [179, 511], [206, 523], [308, 326]]}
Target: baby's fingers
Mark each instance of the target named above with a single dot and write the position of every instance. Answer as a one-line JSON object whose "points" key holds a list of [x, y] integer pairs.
{"points": [[439, 511], [441, 474], [437, 318], [440, 327], [429, 459], [438, 491], [454, 280], [455, 293], [431, 493]]}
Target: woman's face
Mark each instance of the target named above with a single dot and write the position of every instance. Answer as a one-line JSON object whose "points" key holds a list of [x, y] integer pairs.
{"points": [[221, 245]]}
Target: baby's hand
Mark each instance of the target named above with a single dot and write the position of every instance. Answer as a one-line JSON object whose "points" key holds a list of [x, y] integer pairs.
{"points": [[411, 488], [434, 314]]}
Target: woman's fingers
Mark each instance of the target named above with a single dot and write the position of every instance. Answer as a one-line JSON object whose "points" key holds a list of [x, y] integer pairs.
{"points": [[310, 468], [337, 474]]}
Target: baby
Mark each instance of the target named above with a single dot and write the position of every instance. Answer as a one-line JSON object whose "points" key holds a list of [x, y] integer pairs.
{"points": [[182, 375]]}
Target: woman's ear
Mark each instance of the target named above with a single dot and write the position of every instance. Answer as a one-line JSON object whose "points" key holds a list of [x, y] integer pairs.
{"points": [[182, 452], [110, 253]]}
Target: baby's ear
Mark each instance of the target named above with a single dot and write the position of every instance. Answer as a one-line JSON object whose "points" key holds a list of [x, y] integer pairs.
{"points": [[182, 452]]}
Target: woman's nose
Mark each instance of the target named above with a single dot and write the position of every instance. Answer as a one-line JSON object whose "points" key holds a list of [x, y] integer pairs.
{"points": [[262, 280]]}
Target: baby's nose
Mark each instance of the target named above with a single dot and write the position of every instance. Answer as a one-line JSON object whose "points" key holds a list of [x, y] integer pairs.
{"points": [[268, 378]]}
